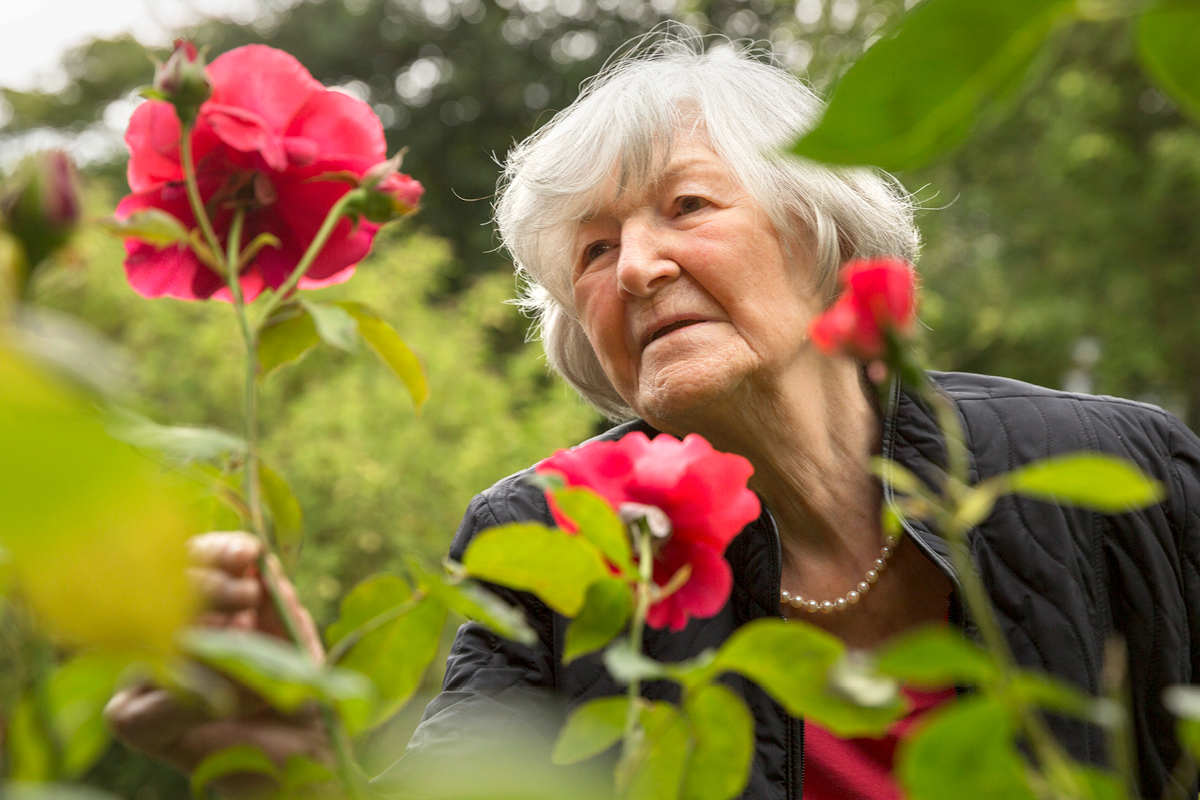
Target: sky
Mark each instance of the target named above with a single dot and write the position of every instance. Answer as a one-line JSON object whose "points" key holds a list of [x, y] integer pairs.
{"points": [[34, 34]]}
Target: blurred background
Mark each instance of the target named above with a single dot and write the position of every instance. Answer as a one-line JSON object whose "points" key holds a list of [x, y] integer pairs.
{"points": [[1061, 242]]}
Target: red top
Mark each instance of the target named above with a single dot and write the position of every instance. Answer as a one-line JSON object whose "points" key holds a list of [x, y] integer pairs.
{"points": [[861, 769]]}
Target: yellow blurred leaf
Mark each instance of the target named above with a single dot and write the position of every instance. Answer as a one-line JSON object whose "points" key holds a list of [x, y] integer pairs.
{"points": [[95, 532]]}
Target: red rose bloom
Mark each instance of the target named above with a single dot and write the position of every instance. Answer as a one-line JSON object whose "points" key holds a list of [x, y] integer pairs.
{"points": [[702, 491], [268, 129], [879, 298]]}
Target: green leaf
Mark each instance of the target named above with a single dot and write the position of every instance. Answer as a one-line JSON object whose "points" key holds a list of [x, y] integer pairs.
{"points": [[627, 665], [604, 614], [286, 337], [283, 675], [554, 565], [239, 758], [1184, 702], [183, 444], [915, 94], [476, 603], [898, 476], [77, 692], [1168, 39], [722, 744], [334, 325], [393, 651], [285, 513], [388, 345], [963, 749], [977, 502], [300, 772], [152, 226], [599, 524], [657, 768], [1090, 480], [30, 752], [591, 729], [54, 791], [937, 656], [1053, 694], [790, 660]]}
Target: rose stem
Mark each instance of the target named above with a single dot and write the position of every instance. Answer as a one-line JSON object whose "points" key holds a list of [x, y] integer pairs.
{"points": [[1062, 778], [641, 535], [335, 729]]}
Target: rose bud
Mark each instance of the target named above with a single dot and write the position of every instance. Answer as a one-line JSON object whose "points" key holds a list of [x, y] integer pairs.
{"points": [[40, 206], [388, 193], [181, 81]]}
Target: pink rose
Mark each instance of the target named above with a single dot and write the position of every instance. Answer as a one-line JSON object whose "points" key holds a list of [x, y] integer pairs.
{"points": [[879, 299], [701, 490]]}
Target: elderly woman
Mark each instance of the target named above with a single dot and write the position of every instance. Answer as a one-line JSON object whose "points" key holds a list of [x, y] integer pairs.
{"points": [[674, 260]]}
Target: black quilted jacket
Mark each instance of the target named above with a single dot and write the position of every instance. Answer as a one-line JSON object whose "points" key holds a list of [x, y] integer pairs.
{"points": [[1062, 580]]}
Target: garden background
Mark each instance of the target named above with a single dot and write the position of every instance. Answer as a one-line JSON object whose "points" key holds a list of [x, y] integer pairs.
{"points": [[1061, 248]]}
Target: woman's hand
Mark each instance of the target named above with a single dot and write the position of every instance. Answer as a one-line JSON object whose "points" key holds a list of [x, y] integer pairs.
{"points": [[166, 727]]}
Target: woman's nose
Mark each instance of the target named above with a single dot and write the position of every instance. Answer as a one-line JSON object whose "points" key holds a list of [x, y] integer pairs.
{"points": [[645, 263]]}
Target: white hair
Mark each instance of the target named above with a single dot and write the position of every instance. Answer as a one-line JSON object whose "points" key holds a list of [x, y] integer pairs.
{"points": [[626, 117]]}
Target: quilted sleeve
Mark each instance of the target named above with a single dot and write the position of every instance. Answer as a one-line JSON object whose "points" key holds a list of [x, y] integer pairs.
{"points": [[1185, 454]]}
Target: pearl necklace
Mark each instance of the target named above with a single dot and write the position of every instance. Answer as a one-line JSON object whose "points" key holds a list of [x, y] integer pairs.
{"points": [[851, 597]]}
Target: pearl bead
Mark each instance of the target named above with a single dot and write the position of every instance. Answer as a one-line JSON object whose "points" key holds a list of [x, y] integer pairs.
{"points": [[880, 565], [872, 576], [812, 606], [797, 602], [840, 604], [785, 595], [887, 551], [863, 587], [852, 596], [827, 607]]}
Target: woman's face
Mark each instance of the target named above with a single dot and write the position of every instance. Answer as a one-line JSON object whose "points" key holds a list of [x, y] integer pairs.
{"points": [[684, 292]]}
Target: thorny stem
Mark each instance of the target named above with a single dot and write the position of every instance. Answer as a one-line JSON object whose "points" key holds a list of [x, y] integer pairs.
{"points": [[335, 729], [643, 539]]}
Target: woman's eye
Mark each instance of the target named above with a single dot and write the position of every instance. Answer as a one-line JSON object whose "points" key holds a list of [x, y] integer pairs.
{"points": [[594, 251], [689, 203]]}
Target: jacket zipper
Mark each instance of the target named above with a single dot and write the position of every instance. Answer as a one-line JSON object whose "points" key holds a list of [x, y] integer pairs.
{"points": [[795, 737]]}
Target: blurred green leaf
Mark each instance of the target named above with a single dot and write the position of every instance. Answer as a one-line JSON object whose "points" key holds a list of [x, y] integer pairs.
{"points": [[605, 611], [153, 226], [791, 660], [286, 337], [657, 767], [54, 791], [183, 444], [476, 603], [106, 568], [1089, 480], [388, 345], [30, 752], [1053, 694], [627, 665], [554, 565], [915, 94], [936, 656], [286, 515], [279, 672], [1168, 38], [239, 758], [722, 744], [599, 524], [300, 772], [1184, 703], [591, 729], [77, 692], [334, 325], [397, 636], [898, 476], [963, 749]]}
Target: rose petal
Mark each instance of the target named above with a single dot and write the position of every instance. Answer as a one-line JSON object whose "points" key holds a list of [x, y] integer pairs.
{"points": [[267, 82], [343, 125]]}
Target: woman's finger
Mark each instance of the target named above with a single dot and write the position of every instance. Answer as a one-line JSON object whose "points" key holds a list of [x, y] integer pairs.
{"points": [[234, 552], [223, 593], [149, 719]]}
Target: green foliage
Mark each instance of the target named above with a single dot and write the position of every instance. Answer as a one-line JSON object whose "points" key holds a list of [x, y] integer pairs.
{"points": [[722, 744], [287, 519], [335, 327], [554, 565], [655, 768], [1091, 480], [914, 95], [388, 345], [965, 749], [285, 337], [284, 677], [1184, 703], [599, 524], [476, 603], [936, 657], [605, 611], [591, 729], [791, 661], [153, 226], [239, 758], [395, 637], [1168, 37], [180, 443]]}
